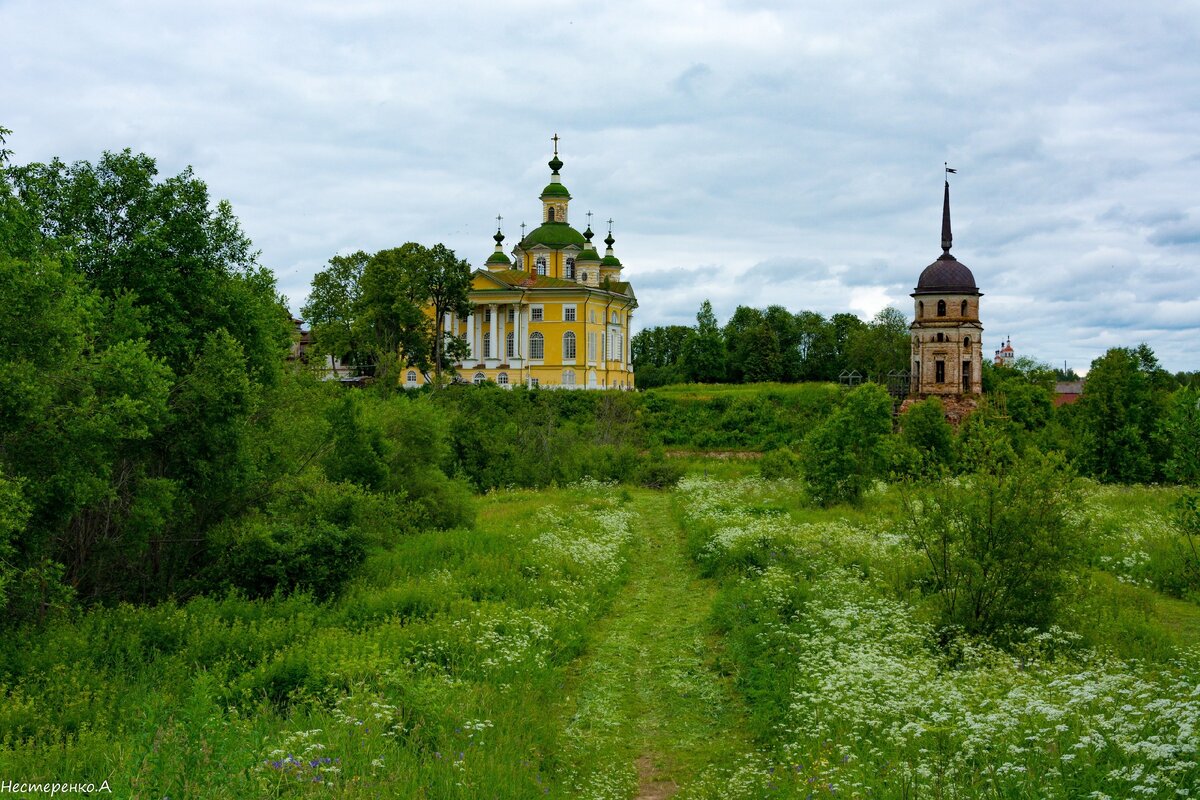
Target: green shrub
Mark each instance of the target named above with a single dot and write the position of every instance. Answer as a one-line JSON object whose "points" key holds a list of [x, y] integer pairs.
{"points": [[262, 556], [997, 547], [843, 454], [779, 464]]}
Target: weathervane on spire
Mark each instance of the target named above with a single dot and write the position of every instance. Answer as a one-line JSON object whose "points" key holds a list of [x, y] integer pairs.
{"points": [[949, 169]]}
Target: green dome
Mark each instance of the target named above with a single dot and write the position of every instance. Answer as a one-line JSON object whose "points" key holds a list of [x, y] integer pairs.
{"points": [[587, 255], [610, 261], [497, 258], [555, 190], [555, 235]]}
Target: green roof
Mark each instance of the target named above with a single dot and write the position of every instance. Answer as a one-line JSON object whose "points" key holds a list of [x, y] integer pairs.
{"points": [[497, 258], [587, 255], [519, 278], [555, 235], [555, 190], [610, 261]]}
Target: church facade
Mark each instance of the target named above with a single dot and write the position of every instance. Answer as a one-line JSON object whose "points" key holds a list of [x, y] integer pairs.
{"points": [[947, 336], [554, 314]]}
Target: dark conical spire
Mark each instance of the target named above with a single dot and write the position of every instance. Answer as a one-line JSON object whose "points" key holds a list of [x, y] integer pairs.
{"points": [[947, 236]]}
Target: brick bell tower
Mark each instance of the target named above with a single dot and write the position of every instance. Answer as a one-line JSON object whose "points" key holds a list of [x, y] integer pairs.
{"points": [[947, 336]]}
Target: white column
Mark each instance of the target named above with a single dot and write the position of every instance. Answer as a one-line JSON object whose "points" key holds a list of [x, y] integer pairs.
{"points": [[495, 327], [519, 332], [471, 336], [502, 353]]}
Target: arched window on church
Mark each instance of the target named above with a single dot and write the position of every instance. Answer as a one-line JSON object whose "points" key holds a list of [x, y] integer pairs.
{"points": [[570, 269], [540, 264], [964, 308], [537, 346], [502, 379], [920, 308], [569, 346], [487, 344], [479, 378], [509, 345], [940, 338], [941, 308], [583, 277], [550, 214], [916, 342], [967, 341], [568, 377], [411, 378]]}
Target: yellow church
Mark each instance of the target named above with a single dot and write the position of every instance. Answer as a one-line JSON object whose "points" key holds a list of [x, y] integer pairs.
{"points": [[555, 315]]}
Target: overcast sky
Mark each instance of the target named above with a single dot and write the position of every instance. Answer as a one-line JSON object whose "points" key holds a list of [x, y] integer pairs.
{"points": [[750, 153]]}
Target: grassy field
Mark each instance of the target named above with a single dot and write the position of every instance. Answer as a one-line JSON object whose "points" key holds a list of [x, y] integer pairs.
{"points": [[723, 640]]}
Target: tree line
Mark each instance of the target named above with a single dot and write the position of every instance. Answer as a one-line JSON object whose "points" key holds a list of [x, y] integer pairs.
{"points": [[771, 344]]}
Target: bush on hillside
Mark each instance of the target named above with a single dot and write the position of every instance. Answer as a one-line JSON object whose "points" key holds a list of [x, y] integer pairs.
{"points": [[844, 453], [996, 546]]}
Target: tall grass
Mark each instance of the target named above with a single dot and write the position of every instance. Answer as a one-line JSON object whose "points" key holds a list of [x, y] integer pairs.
{"points": [[436, 675], [855, 692]]}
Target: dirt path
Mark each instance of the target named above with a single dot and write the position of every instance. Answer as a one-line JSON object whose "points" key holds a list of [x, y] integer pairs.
{"points": [[648, 712]]}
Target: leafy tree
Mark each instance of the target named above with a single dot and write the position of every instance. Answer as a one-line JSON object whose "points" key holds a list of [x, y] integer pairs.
{"points": [[1181, 430], [705, 354], [388, 308], [842, 454], [184, 263], [881, 346], [997, 546], [331, 309], [1118, 413], [923, 427]]}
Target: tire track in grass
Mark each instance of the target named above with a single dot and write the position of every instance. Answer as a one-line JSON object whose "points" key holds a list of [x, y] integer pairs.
{"points": [[646, 710]]}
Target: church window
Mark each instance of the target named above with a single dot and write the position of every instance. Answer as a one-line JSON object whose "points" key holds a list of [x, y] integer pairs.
{"points": [[540, 265], [568, 313], [592, 345], [940, 371], [479, 378], [412, 378], [550, 214], [614, 318], [509, 345], [583, 277], [916, 342], [569, 346], [964, 308], [511, 314], [533, 382], [487, 315], [593, 316], [487, 344], [537, 346], [568, 378], [535, 314], [941, 308], [570, 269], [940, 338], [920, 308], [966, 341], [502, 379]]}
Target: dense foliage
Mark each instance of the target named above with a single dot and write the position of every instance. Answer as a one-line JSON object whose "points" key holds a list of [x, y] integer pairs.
{"points": [[772, 344], [152, 440]]}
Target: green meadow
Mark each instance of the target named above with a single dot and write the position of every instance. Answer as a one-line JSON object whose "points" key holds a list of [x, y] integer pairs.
{"points": [[726, 638]]}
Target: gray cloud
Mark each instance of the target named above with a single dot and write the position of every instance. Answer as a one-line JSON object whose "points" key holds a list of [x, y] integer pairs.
{"points": [[749, 152]]}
